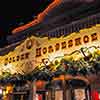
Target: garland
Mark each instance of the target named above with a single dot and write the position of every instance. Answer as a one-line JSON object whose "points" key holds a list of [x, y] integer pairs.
{"points": [[81, 62]]}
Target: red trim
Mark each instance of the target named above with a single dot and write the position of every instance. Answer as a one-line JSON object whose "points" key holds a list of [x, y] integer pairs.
{"points": [[95, 95]]}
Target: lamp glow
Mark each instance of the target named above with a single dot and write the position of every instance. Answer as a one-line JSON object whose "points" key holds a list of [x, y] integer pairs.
{"points": [[0, 91]]}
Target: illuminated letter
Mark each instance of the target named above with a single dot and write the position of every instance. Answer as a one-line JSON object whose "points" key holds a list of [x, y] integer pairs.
{"points": [[70, 43], [50, 49], [38, 52], [26, 55], [63, 45], [85, 39], [57, 46], [44, 50], [10, 60], [18, 58], [13, 59], [94, 37], [22, 56], [6, 61], [77, 41]]}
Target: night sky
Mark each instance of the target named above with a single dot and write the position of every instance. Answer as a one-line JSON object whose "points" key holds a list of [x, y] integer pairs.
{"points": [[16, 12]]}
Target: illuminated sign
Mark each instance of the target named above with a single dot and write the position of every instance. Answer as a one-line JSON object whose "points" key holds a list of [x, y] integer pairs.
{"points": [[31, 53], [66, 44]]}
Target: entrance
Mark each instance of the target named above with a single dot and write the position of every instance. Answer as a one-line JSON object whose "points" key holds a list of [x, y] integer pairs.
{"points": [[80, 90], [73, 89]]}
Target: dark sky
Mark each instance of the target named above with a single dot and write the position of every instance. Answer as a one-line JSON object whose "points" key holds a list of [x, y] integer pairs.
{"points": [[15, 12]]}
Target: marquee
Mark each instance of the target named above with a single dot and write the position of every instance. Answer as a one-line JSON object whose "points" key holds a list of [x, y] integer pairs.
{"points": [[33, 51]]}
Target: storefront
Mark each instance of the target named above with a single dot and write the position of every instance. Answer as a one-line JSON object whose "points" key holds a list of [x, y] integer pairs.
{"points": [[52, 61]]}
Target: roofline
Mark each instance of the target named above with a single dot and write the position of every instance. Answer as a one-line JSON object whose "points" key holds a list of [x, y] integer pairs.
{"points": [[39, 19]]}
